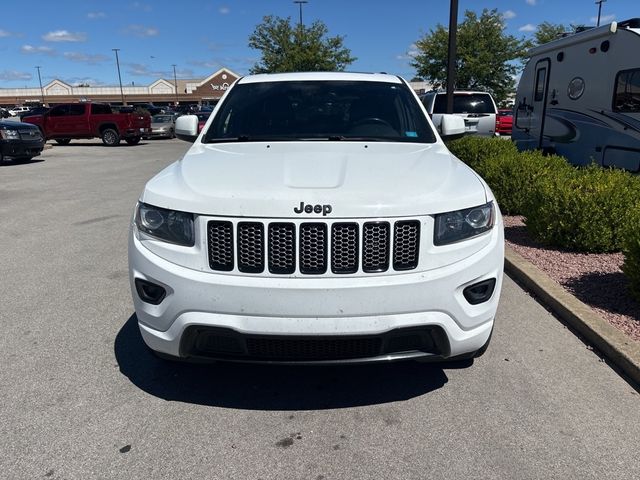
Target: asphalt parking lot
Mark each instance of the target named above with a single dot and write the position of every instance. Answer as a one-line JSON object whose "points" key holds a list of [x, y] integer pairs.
{"points": [[82, 398]]}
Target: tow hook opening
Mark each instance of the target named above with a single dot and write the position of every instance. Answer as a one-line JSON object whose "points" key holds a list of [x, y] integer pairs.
{"points": [[479, 292], [150, 292]]}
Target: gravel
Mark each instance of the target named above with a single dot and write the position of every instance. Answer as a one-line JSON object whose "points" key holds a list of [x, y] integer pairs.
{"points": [[595, 279]]}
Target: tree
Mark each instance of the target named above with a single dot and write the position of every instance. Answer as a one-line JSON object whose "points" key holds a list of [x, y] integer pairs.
{"points": [[487, 58], [547, 32], [287, 48]]}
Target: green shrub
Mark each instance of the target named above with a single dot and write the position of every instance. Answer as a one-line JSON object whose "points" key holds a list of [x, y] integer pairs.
{"points": [[513, 178], [585, 209], [511, 175], [631, 249], [582, 209], [474, 150]]}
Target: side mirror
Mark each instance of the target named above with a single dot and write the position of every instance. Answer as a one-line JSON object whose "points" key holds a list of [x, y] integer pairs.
{"points": [[187, 128], [452, 127]]}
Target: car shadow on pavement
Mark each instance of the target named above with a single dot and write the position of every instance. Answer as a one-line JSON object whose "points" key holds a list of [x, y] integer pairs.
{"points": [[271, 387], [9, 163], [96, 144]]}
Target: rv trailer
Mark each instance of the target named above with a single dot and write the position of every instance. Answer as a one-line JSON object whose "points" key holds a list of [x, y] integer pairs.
{"points": [[579, 97]]}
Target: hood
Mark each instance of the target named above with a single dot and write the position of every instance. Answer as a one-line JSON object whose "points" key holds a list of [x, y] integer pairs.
{"points": [[11, 125], [355, 179]]}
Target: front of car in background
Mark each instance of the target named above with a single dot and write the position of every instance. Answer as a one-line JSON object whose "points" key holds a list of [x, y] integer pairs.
{"points": [[317, 219], [20, 141]]}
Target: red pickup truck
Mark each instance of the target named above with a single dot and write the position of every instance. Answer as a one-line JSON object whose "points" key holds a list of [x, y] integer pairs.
{"points": [[90, 120]]}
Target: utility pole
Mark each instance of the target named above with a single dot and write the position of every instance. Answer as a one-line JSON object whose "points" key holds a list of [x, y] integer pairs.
{"points": [[119, 77], [300, 2], [175, 82], [599, 3], [40, 80], [451, 62]]}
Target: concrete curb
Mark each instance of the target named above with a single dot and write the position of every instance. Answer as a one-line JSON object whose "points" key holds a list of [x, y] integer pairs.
{"points": [[612, 343]]}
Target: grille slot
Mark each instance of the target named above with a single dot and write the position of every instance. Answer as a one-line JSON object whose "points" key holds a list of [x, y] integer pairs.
{"points": [[220, 236], [345, 252], [251, 247], [375, 246], [313, 248], [282, 248], [406, 244]]}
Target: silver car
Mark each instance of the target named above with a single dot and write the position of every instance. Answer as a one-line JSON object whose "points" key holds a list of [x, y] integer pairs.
{"points": [[162, 126]]}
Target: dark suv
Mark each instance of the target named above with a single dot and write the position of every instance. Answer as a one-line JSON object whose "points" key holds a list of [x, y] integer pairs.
{"points": [[20, 141]]}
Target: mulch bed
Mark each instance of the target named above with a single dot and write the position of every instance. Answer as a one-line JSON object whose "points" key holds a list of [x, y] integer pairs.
{"points": [[595, 279]]}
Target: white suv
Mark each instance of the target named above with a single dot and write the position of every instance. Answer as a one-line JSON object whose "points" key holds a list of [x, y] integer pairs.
{"points": [[17, 111], [317, 218], [477, 108]]}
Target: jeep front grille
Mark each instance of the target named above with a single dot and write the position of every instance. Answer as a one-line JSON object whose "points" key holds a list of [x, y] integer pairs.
{"points": [[313, 248]]}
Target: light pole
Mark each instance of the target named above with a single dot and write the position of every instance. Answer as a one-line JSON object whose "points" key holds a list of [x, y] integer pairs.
{"points": [[599, 2], [40, 80], [300, 3], [451, 62], [175, 82], [119, 77]]}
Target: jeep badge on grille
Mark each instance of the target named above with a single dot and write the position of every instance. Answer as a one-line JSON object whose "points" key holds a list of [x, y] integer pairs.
{"points": [[323, 209]]}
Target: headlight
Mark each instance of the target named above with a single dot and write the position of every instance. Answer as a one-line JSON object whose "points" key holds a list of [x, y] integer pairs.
{"points": [[168, 225], [455, 226], [10, 134]]}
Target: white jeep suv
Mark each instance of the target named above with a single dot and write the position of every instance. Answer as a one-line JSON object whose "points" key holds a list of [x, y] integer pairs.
{"points": [[317, 218]]}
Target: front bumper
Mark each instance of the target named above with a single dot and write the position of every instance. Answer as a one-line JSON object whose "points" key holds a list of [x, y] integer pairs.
{"points": [[318, 309], [21, 148], [160, 132]]}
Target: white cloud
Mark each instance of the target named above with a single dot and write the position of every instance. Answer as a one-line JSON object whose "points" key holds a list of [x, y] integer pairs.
{"points": [[141, 6], [531, 2], [96, 15], [29, 49], [85, 58], [142, 31], [4, 33], [604, 19], [509, 14], [410, 54], [64, 36], [529, 27], [224, 10], [142, 70], [13, 75]]}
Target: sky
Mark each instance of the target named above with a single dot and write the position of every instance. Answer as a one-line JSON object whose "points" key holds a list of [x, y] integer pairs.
{"points": [[72, 40]]}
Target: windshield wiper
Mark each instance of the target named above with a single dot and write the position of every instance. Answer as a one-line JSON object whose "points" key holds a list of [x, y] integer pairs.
{"points": [[239, 138], [339, 138]]}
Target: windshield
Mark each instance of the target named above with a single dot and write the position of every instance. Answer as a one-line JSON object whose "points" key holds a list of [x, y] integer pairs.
{"points": [[161, 118], [320, 110]]}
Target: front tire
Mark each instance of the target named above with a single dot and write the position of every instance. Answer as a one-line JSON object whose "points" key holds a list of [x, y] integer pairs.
{"points": [[63, 141], [132, 140], [110, 137]]}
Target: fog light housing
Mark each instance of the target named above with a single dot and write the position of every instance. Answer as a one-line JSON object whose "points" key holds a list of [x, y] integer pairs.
{"points": [[150, 292], [479, 292]]}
